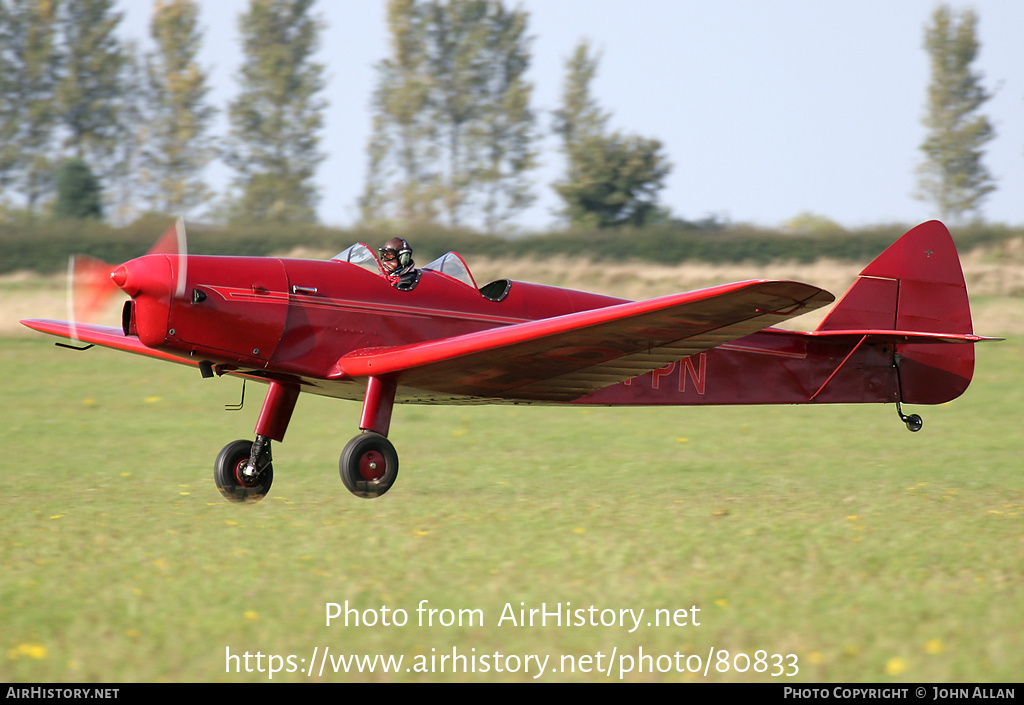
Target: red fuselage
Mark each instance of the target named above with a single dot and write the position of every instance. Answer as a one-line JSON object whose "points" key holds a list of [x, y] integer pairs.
{"points": [[290, 319]]}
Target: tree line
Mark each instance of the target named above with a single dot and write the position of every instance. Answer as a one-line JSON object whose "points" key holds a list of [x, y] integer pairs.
{"points": [[84, 114], [92, 127]]}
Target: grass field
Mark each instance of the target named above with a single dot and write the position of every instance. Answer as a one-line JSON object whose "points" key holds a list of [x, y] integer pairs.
{"points": [[830, 534]]}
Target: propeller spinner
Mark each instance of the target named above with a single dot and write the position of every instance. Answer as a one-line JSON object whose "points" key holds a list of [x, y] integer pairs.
{"points": [[92, 283]]}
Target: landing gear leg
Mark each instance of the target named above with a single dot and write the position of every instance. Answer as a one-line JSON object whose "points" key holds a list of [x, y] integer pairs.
{"points": [[369, 463], [913, 422], [244, 470]]}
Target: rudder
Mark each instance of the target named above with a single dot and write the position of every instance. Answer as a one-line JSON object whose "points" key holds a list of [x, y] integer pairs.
{"points": [[915, 286]]}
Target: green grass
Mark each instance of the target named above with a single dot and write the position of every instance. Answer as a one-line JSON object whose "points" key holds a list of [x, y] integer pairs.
{"points": [[830, 533]]}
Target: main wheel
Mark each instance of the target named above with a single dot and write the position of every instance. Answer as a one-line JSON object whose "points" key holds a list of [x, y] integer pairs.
{"points": [[227, 473], [369, 465]]}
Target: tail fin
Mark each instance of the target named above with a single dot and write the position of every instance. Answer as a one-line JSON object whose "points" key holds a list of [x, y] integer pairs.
{"points": [[914, 293]]}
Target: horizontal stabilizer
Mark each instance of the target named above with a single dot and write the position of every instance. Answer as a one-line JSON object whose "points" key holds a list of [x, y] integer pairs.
{"points": [[902, 336]]}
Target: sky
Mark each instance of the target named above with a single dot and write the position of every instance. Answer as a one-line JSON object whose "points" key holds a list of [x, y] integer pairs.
{"points": [[765, 109]]}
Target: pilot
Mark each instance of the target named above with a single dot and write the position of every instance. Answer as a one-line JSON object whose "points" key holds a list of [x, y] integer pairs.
{"points": [[397, 265]]}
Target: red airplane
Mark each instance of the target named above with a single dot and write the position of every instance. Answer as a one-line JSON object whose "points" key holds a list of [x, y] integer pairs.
{"points": [[902, 334]]}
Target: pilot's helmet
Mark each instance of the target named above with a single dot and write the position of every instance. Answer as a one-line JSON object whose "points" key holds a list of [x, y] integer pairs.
{"points": [[396, 254]]}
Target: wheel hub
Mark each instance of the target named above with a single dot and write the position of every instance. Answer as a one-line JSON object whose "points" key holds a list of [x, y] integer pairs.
{"points": [[246, 474], [372, 466]]}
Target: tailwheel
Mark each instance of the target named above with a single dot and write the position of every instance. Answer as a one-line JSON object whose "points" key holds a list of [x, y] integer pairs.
{"points": [[914, 422], [238, 479], [369, 465]]}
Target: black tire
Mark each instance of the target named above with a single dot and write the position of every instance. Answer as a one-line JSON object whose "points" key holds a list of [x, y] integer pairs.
{"points": [[227, 474], [369, 465], [914, 423]]}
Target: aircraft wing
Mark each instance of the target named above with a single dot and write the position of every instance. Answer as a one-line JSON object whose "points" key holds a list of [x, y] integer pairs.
{"points": [[563, 358], [106, 336]]}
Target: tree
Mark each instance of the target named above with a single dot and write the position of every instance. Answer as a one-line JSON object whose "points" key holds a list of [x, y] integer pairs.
{"points": [[78, 191], [28, 78], [505, 138], [124, 179], [177, 146], [452, 121], [456, 34], [952, 176], [579, 115], [400, 180], [90, 89], [277, 116], [611, 179]]}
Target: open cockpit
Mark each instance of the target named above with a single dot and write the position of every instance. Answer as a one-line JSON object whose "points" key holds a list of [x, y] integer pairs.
{"points": [[450, 265]]}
